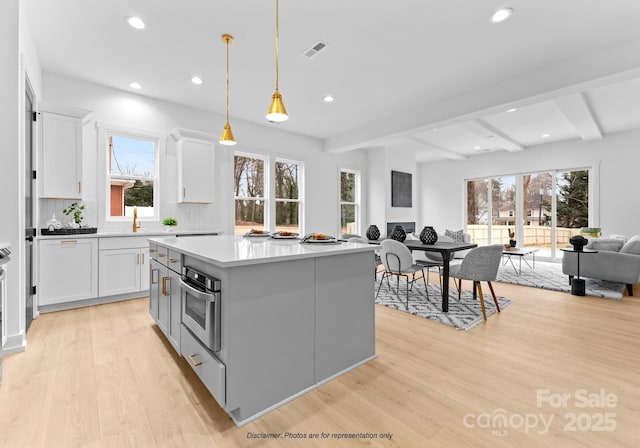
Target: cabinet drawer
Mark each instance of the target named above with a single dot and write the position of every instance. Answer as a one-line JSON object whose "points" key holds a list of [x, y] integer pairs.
{"points": [[174, 261], [160, 254], [208, 368], [124, 242]]}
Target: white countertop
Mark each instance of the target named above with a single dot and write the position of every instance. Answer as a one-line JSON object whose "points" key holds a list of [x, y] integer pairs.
{"points": [[4, 245], [139, 233], [230, 250]]}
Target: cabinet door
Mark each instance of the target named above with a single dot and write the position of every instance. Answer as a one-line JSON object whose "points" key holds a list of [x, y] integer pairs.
{"points": [[144, 269], [175, 318], [61, 156], [154, 288], [195, 170], [68, 270], [164, 296], [119, 271]]}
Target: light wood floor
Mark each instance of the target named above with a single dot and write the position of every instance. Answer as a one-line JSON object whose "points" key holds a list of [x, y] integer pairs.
{"points": [[104, 376]]}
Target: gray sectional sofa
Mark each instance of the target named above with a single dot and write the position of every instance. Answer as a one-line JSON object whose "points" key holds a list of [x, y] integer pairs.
{"points": [[617, 260]]}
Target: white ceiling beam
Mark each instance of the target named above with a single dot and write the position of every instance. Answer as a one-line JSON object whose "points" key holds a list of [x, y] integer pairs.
{"points": [[485, 130], [435, 149], [578, 111]]}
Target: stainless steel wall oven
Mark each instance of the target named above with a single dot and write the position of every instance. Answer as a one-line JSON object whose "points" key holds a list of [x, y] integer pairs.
{"points": [[201, 307]]}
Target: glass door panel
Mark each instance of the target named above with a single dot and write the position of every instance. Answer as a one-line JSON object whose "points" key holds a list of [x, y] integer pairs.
{"points": [[536, 227], [478, 211], [503, 209], [572, 209]]}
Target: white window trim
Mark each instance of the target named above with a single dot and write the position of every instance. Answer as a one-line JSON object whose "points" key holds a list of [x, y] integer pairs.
{"points": [[106, 129]]}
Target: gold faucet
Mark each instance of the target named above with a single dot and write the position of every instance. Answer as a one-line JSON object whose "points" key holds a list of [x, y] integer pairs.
{"points": [[136, 224]]}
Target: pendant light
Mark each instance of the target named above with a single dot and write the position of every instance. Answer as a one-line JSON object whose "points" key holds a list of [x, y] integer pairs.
{"points": [[227, 136], [277, 112]]}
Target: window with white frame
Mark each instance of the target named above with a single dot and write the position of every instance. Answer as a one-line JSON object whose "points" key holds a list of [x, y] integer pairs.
{"points": [[287, 195], [249, 187], [131, 175], [349, 201]]}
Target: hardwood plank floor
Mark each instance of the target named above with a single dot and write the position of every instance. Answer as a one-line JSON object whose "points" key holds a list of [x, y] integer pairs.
{"points": [[104, 376]]}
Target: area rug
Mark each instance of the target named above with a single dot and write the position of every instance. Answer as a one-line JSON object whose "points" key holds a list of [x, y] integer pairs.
{"points": [[464, 314], [548, 275]]}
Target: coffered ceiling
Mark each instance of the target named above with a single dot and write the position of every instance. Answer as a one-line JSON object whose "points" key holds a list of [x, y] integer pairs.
{"points": [[434, 76]]}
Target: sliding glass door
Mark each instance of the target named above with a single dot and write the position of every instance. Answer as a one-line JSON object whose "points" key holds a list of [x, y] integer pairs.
{"points": [[541, 210]]}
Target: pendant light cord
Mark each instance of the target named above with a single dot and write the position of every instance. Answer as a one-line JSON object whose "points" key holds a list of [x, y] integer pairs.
{"points": [[277, 35], [227, 39]]}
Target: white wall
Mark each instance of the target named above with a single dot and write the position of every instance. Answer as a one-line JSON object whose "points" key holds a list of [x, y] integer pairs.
{"points": [[615, 159], [132, 110], [19, 61], [381, 161]]}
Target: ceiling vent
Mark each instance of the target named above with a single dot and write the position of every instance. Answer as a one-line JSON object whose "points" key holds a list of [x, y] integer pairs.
{"points": [[315, 49]]}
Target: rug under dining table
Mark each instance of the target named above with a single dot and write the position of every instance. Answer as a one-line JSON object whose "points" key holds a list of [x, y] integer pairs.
{"points": [[463, 314]]}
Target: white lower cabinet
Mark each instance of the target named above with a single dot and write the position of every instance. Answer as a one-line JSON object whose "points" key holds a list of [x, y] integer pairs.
{"points": [[124, 266], [68, 270]]}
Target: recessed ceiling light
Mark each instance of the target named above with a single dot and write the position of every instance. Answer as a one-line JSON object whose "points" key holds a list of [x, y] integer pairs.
{"points": [[545, 135], [196, 80], [476, 147], [327, 98], [513, 109], [135, 85], [136, 22], [501, 15]]}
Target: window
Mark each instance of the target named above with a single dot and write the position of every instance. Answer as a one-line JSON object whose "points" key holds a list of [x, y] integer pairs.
{"points": [[287, 183], [131, 176], [349, 201], [249, 185], [556, 203]]}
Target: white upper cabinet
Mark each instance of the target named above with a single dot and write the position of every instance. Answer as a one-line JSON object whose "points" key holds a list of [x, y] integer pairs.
{"points": [[195, 154], [61, 158]]}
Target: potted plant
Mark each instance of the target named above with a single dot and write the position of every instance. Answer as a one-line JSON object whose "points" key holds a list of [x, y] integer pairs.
{"points": [[169, 223], [75, 210], [591, 231]]}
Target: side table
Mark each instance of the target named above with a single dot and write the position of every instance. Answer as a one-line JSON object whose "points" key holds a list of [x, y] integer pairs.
{"points": [[577, 283]]}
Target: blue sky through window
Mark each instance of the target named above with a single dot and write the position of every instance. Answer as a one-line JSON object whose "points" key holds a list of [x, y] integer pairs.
{"points": [[132, 157]]}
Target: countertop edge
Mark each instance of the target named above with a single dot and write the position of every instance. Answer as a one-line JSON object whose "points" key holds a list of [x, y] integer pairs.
{"points": [[157, 234], [357, 247]]}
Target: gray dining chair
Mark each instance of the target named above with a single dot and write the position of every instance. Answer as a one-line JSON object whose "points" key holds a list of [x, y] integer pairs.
{"points": [[397, 261], [480, 265], [361, 240]]}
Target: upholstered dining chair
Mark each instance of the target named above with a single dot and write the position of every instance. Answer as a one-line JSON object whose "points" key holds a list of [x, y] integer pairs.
{"points": [[359, 239], [480, 265], [397, 261]]}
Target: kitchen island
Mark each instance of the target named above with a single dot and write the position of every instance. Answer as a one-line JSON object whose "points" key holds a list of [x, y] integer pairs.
{"points": [[292, 315]]}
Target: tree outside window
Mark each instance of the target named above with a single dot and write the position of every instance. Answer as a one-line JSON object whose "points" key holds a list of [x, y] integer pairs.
{"points": [[287, 186], [349, 201], [131, 176], [249, 187]]}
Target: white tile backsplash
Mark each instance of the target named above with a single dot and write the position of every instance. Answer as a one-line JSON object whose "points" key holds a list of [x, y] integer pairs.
{"points": [[189, 216]]}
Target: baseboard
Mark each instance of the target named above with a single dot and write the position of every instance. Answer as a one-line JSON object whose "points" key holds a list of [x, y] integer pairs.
{"points": [[90, 302], [14, 344]]}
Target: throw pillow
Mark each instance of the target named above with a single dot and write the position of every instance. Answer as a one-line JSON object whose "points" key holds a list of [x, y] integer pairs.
{"points": [[457, 236], [610, 244], [632, 246]]}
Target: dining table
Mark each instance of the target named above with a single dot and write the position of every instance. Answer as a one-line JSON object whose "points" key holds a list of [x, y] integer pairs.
{"points": [[447, 250]]}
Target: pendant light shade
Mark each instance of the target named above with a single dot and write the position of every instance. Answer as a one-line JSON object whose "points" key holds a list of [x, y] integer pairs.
{"points": [[277, 112], [227, 135]]}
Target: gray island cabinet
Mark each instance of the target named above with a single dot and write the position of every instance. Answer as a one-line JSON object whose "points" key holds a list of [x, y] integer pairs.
{"points": [[292, 316]]}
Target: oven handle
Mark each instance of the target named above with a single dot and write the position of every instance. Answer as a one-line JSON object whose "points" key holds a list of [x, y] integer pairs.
{"points": [[198, 294]]}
